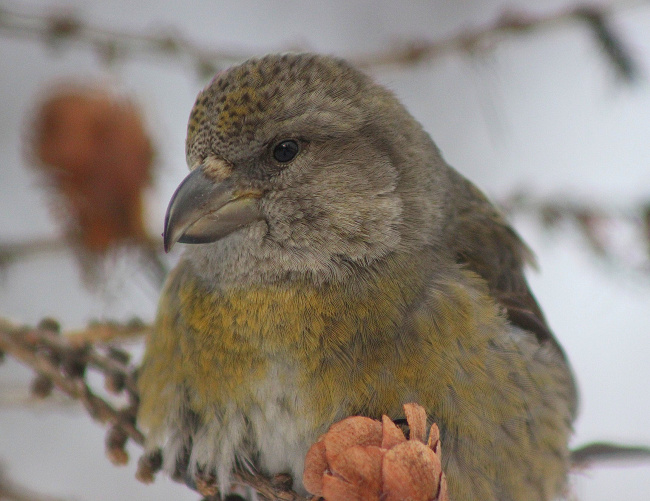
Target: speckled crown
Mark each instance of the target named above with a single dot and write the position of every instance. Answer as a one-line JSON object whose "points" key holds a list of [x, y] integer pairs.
{"points": [[233, 108]]}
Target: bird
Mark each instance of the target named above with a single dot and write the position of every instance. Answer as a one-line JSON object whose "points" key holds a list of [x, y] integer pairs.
{"points": [[336, 265]]}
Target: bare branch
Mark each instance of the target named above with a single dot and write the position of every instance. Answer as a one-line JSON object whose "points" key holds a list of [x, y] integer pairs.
{"points": [[103, 332], [148, 253], [12, 252], [65, 364], [56, 27], [511, 23], [110, 44], [11, 491], [601, 228], [60, 361]]}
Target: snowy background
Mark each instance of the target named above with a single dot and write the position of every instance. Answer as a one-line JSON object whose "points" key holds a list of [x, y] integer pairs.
{"points": [[541, 112]]}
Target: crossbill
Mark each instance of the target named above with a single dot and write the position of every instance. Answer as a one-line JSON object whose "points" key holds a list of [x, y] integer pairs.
{"points": [[340, 267]]}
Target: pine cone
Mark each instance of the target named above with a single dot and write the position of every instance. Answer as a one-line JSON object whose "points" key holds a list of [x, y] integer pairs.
{"points": [[97, 156], [363, 459]]}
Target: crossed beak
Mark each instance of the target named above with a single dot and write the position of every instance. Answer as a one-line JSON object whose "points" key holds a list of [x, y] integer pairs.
{"points": [[203, 210]]}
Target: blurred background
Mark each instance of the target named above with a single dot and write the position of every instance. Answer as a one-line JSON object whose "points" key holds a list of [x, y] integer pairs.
{"points": [[552, 121]]}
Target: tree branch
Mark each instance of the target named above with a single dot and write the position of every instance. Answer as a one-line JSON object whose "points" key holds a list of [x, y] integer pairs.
{"points": [[620, 237], [61, 361], [64, 364], [11, 491], [111, 44], [471, 41]]}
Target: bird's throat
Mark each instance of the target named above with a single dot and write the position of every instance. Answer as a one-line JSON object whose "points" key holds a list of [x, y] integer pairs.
{"points": [[236, 336]]}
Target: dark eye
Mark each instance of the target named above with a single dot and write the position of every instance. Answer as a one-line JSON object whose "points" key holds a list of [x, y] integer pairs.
{"points": [[285, 151]]}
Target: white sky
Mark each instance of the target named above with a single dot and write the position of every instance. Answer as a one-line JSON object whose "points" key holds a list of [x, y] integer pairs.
{"points": [[541, 112]]}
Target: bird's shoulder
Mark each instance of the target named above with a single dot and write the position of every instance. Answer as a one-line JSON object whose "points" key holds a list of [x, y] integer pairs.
{"points": [[482, 241]]}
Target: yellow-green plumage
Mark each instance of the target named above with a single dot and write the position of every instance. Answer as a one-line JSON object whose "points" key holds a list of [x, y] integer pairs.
{"points": [[338, 302], [351, 355]]}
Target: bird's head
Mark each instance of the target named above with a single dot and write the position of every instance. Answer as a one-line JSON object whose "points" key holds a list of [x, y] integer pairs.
{"points": [[303, 162]]}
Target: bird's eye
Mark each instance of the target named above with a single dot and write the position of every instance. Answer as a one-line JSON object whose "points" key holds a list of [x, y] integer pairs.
{"points": [[285, 151]]}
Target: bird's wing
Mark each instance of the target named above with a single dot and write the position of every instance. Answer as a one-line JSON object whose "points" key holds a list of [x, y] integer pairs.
{"points": [[485, 243]]}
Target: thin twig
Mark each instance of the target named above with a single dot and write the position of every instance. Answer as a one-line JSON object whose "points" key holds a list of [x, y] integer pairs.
{"points": [[62, 359], [509, 23], [109, 43], [104, 332], [14, 251], [599, 226], [56, 27], [10, 252], [11, 491], [149, 256], [26, 345]]}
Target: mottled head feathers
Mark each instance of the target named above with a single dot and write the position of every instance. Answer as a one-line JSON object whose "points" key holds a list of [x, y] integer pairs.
{"points": [[246, 104]]}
